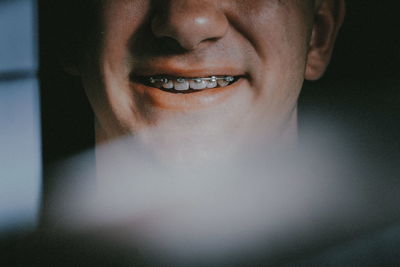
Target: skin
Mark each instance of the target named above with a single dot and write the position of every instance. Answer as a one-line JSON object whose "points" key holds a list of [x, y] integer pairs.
{"points": [[274, 44]]}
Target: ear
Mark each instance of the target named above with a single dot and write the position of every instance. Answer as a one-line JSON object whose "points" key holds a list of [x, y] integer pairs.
{"points": [[329, 16]]}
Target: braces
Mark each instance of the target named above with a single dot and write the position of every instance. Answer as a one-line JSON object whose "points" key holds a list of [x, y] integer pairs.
{"points": [[198, 80]]}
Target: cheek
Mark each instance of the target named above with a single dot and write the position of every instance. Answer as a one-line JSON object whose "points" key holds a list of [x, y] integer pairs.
{"points": [[122, 21], [107, 65], [279, 37], [273, 24], [282, 43]]}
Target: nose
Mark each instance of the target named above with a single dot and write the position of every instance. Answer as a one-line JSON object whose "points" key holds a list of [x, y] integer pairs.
{"points": [[189, 22]]}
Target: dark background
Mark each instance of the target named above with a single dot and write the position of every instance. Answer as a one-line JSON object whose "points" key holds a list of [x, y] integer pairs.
{"points": [[360, 89]]}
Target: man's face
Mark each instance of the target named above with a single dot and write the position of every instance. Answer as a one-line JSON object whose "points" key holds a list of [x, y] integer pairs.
{"points": [[132, 74]]}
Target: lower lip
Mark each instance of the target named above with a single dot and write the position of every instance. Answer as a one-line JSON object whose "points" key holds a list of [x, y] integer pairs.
{"points": [[197, 100]]}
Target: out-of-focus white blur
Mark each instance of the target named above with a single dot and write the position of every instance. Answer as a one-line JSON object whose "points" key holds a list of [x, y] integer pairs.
{"points": [[264, 201]]}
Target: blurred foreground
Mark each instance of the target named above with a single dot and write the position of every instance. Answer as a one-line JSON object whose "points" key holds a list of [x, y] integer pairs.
{"points": [[267, 206]]}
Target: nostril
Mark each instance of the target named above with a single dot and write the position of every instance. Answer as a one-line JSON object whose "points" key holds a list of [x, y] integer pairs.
{"points": [[189, 23], [169, 44]]}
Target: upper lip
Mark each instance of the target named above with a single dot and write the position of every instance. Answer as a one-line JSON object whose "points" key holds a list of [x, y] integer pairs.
{"points": [[188, 72]]}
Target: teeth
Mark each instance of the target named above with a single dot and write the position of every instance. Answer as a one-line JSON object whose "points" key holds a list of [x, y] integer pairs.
{"points": [[229, 79], [168, 84], [183, 84], [223, 83], [212, 84], [198, 84]]}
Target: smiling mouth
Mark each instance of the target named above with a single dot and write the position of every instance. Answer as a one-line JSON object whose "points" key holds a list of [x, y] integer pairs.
{"points": [[185, 85]]}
